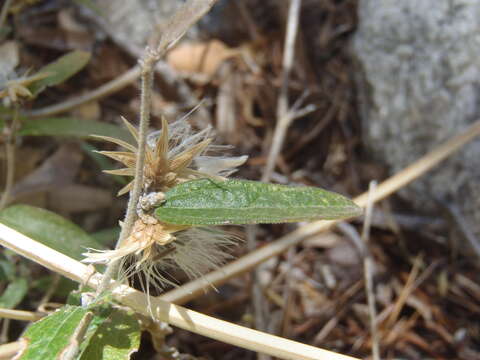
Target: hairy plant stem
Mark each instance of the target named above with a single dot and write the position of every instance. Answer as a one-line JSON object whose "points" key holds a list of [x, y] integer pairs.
{"points": [[130, 217]]}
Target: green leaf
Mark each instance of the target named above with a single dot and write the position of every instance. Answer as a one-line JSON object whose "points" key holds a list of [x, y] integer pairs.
{"points": [[60, 70], [73, 127], [115, 339], [14, 293], [49, 229], [49, 337], [207, 202]]}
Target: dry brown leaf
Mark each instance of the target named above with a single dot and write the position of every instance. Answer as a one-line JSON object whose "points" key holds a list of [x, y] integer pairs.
{"points": [[201, 57]]}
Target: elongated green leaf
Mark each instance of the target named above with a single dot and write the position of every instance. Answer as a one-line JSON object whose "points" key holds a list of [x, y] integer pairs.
{"points": [[207, 202], [60, 70], [48, 228], [115, 339], [14, 293], [73, 127]]}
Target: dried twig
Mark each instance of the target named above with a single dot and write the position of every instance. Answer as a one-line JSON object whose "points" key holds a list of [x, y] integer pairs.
{"points": [[9, 350], [456, 217], [19, 315], [386, 188], [406, 291], [284, 117], [106, 89], [367, 271]]}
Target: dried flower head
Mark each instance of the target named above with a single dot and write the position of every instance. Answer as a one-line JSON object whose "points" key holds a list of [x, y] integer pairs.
{"points": [[173, 155]]}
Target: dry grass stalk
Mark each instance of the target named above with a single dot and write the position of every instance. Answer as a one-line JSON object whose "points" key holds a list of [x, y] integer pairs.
{"points": [[284, 116], [19, 315], [368, 273]]}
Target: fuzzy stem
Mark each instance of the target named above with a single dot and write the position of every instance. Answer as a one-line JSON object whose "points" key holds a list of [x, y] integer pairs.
{"points": [[130, 217]]}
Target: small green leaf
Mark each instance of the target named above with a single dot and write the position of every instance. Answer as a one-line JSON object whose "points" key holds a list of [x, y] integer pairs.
{"points": [[207, 202], [115, 339], [49, 229], [60, 70], [14, 293], [50, 336], [73, 127]]}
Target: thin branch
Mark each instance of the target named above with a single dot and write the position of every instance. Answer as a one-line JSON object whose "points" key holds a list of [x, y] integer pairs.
{"points": [[367, 267], [386, 188], [464, 229], [164, 311], [9, 350], [20, 315], [106, 89], [284, 117]]}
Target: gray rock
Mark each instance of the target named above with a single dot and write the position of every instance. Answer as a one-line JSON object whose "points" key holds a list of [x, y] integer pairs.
{"points": [[131, 23], [419, 84]]}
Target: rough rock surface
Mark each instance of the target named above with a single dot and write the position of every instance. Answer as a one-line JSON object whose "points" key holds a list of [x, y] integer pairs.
{"points": [[419, 84]]}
